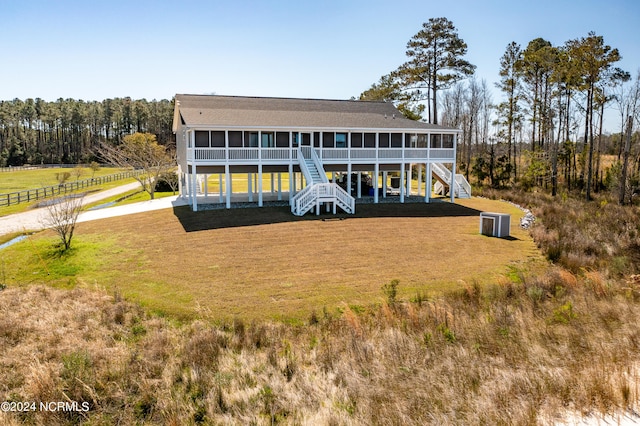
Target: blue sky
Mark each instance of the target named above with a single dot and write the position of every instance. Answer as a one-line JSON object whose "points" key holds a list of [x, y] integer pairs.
{"points": [[93, 50]]}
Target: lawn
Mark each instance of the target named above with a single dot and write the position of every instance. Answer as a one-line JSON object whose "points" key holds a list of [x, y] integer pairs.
{"points": [[22, 180], [265, 263], [129, 197]]}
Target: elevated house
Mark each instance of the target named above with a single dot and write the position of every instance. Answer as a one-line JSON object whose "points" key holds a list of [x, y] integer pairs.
{"points": [[359, 144]]}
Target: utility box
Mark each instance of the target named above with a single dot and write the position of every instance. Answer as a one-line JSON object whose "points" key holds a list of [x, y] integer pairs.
{"points": [[495, 224]]}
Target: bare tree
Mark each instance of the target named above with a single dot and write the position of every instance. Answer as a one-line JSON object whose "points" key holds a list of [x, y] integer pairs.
{"points": [[62, 217], [141, 151]]}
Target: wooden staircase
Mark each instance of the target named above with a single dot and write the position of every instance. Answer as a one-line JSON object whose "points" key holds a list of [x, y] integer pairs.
{"points": [[462, 189], [318, 190]]}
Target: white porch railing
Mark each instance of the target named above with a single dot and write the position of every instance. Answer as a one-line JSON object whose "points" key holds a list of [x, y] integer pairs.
{"points": [[243, 154], [332, 155], [363, 153], [390, 153], [210, 154], [441, 154], [276, 153]]}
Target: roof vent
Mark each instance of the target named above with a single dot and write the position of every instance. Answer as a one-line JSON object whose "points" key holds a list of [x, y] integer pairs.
{"points": [[394, 116], [385, 115]]}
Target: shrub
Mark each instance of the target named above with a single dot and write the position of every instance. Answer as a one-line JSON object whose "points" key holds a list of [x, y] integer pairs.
{"points": [[391, 291], [563, 314], [167, 182]]}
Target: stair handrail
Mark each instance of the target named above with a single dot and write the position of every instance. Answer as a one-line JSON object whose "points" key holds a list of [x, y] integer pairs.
{"points": [[319, 166], [344, 198], [303, 166], [463, 183], [444, 173], [304, 200]]}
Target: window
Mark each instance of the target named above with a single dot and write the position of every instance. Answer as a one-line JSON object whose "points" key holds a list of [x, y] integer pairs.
{"points": [[282, 139], [253, 139], [422, 141], [202, 139], [327, 140], [396, 140], [235, 139], [356, 140], [341, 140], [267, 140], [369, 140], [383, 140], [447, 141], [436, 141], [217, 139]]}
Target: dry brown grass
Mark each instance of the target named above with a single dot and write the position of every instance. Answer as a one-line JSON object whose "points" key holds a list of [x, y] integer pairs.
{"points": [[527, 348], [509, 353], [206, 265]]}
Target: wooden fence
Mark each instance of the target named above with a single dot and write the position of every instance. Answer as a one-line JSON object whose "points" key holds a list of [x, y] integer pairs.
{"points": [[42, 166], [29, 195]]}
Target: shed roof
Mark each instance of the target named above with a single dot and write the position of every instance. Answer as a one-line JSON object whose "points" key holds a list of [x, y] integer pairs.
{"points": [[238, 111]]}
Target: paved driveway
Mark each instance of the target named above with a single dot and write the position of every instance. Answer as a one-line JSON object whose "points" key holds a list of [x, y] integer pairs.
{"points": [[32, 220]]}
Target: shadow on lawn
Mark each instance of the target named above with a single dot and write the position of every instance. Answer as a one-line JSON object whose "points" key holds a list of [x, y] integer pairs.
{"points": [[223, 218]]}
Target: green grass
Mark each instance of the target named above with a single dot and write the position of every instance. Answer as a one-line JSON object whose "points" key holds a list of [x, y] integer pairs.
{"points": [[23, 180], [282, 267], [34, 179], [129, 198]]}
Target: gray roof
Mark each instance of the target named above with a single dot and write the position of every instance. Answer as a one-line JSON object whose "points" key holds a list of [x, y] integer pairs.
{"points": [[237, 111]]}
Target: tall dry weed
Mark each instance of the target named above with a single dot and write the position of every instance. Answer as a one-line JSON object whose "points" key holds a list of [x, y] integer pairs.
{"points": [[527, 350]]}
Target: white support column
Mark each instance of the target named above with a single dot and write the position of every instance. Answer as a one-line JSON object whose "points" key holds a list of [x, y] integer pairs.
{"points": [[272, 184], [194, 177], [349, 177], [291, 184], [226, 169], [190, 172], [427, 189], [206, 185], [452, 184], [402, 186], [333, 177], [227, 184], [187, 185], [359, 185], [250, 187], [419, 168], [452, 188], [375, 183], [279, 186], [384, 184], [259, 185], [409, 181], [220, 187]]}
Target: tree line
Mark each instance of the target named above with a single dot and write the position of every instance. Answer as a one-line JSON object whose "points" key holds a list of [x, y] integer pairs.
{"points": [[69, 131], [547, 130]]}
